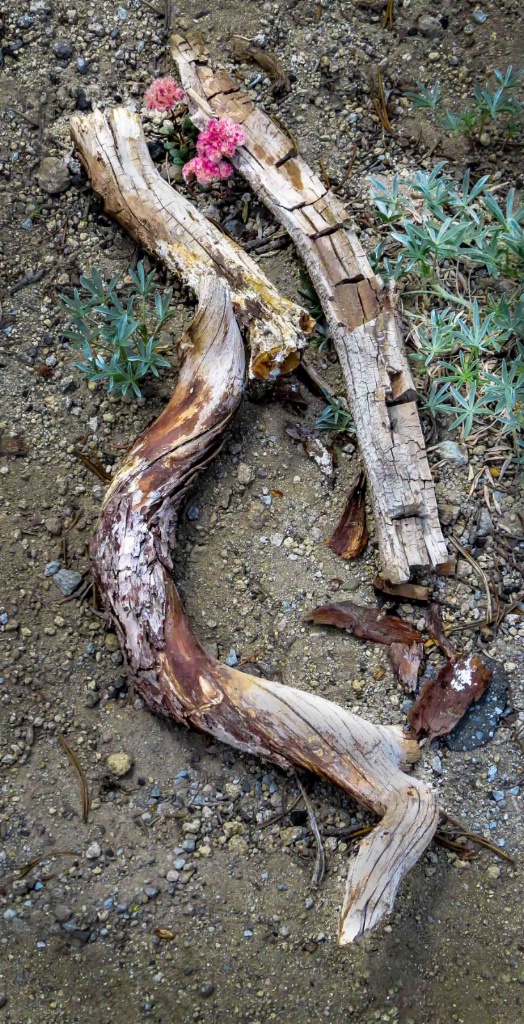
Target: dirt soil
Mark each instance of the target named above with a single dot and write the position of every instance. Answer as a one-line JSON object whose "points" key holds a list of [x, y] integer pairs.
{"points": [[172, 903]]}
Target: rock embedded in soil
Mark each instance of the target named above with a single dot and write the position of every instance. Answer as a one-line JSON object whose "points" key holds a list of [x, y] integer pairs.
{"points": [[53, 176], [93, 851], [67, 581], [119, 764], [429, 26]]}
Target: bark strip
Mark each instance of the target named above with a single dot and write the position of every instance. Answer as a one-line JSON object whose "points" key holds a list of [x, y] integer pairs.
{"points": [[359, 311]]}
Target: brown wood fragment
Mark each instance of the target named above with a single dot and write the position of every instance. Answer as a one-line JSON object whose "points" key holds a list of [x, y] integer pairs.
{"points": [[367, 623], [436, 631], [405, 661], [401, 591], [360, 314], [443, 701], [350, 537], [244, 50]]}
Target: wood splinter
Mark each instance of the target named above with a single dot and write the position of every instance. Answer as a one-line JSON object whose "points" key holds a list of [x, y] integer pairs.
{"points": [[130, 550]]}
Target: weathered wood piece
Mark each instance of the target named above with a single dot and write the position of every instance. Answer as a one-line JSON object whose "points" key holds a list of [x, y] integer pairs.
{"points": [[132, 566], [113, 149], [131, 560], [359, 311]]}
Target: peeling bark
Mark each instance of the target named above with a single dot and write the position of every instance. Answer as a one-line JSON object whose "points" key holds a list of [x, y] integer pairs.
{"points": [[360, 314]]}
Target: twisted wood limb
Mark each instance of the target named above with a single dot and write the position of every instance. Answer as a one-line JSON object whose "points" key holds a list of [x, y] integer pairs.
{"points": [[360, 314]]}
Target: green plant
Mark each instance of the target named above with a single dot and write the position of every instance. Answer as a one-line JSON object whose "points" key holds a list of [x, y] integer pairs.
{"points": [[120, 343], [468, 342], [321, 335], [488, 105], [336, 416], [179, 141]]}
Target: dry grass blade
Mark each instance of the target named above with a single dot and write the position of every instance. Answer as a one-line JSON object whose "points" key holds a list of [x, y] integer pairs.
{"points": [[320, 863], [81, 775], [480, 573], [94, 466], [388, 14]]}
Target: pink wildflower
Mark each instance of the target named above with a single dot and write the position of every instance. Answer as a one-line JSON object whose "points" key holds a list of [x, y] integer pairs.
{"points": [[163, 93], [206, 171], [219, 139]]}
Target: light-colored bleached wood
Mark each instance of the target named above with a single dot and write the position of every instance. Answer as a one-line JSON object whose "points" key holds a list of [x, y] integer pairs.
{"points": [[132, 566], [359, 311], [113, 149]]}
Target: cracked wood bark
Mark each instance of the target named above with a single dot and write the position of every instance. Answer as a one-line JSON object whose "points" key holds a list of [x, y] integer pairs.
{"points": [[114, 152], [132, 566], [359, 311], [131, 560]]}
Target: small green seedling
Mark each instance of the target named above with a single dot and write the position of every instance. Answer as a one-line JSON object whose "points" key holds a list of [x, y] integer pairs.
{"points": [[120, 343]]}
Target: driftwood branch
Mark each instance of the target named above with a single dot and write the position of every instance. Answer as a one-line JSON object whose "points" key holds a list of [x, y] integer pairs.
{"points": [[359, 311], [132, 564]]}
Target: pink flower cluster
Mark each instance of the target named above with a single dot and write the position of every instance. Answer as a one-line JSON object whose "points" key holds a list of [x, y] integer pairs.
{"points": [[219, 139], [163, 93]]}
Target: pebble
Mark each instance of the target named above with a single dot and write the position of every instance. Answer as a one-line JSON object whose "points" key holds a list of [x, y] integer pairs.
{"points": [[111, 642], [67, 581], [193, 513], [62, 49], [3, 999], [493, 871], [207, 989], [52, 175], [479, 17], [93, 851], [245, 474], [119, 764], [52, 568], [232, 658], [54, 526], [453, 452], [62, 913], [429, 26]]}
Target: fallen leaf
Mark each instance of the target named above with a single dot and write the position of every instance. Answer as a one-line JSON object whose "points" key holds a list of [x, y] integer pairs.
{"points": [[164, 933], [402, 591], [350, 536], [443, 701], [436, 631], [277, 493], [405, 661], [367, 623]]}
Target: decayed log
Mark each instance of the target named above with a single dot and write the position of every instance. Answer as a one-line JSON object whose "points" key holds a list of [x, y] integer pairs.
{"points": [[359, 311], [132, 566], [113, 149]]}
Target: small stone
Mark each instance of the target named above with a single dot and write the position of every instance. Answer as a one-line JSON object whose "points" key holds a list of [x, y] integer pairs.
{"points": [[93, 851], [119, 764], [193, 513], [237, 844], [62, 49], [479, 17], [3, 999], [52, 568], [62, 913], [232, 658], [54, 526], [493, 871], [111, 642], [207, 990], [429, 26], [277, 539], [53, 176], [450, 451], [485, 525], [173, 876], [485, 139], [245, 474], [67, 581], [9, 914]]}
